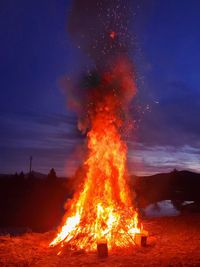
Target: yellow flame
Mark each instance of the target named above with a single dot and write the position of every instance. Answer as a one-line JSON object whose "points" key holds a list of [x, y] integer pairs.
{"points": [[102, 209]]}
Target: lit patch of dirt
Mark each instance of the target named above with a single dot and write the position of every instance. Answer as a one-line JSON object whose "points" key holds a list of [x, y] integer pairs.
{"points": [[174, 241]]}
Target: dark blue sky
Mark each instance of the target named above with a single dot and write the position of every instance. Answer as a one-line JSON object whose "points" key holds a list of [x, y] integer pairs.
{"points": [[36, 52]]}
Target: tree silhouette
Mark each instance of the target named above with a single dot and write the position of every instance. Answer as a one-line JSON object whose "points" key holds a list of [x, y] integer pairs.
{"points": [[21, 175], [52, 175]]}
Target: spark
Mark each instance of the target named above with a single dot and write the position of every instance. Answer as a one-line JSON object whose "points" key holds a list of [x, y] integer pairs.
{"points": [[113, 35]]}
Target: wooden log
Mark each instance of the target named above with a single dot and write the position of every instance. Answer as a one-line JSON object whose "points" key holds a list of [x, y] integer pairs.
{"points": [[102, 249], [141, 239]]}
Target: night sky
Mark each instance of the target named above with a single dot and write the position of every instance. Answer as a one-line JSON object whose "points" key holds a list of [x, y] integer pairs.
{"points": [[36, 52]]}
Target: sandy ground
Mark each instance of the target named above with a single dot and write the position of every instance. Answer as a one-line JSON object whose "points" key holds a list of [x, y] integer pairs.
{"points": [[174, 241]]}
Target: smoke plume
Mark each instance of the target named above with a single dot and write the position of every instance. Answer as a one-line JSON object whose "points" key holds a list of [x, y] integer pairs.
{"points": [[101, 30]]}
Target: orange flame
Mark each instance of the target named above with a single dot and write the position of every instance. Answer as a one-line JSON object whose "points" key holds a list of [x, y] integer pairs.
{"points": [[102, 208]]}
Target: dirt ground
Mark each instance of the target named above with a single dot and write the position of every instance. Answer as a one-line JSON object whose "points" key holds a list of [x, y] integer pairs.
{"points": [[174, 241]]}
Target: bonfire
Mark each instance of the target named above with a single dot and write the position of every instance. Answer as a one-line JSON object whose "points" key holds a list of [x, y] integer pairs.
{"points": [[102, 210]]}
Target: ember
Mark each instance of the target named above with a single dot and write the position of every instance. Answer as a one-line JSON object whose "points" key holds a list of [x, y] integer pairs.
{"points": [[113, 35]]}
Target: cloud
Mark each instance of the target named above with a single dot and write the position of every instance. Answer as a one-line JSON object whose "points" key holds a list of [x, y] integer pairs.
{"points": [[145, 160], [49, 138], [174, 120], [168, 133], [167, 137]]}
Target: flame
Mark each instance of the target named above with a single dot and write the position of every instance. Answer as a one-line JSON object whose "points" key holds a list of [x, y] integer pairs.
{"points": [[102, 208]]}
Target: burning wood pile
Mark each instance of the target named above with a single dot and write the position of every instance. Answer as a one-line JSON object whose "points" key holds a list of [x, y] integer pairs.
{"points": [[102, 210], [101, 214]]}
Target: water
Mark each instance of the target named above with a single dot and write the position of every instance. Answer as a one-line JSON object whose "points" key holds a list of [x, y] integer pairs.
{"points": [[187, 203], [161, 208]]}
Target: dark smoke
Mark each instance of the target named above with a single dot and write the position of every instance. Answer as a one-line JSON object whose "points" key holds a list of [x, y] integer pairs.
{"points": [[101, 29]]}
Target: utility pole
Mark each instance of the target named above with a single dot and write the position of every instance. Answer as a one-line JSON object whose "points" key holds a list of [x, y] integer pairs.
{"points": [[30, 169]]}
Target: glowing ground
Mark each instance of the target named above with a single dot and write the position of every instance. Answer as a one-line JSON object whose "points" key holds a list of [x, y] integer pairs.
{"points": [[177, 244]]}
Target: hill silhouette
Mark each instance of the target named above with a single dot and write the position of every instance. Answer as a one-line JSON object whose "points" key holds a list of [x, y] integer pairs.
{"points": [[36, 201], [178, 186]]}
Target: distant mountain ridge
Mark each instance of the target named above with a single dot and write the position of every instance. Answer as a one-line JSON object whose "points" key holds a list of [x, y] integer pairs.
{"points": [[37, 201], [177, 185], [156, 175]]}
